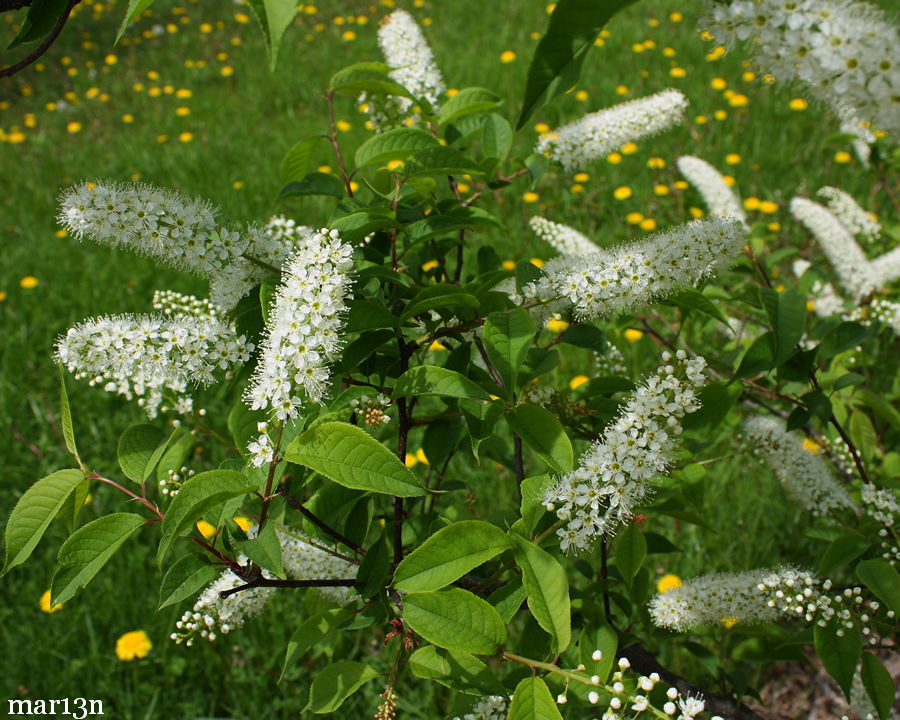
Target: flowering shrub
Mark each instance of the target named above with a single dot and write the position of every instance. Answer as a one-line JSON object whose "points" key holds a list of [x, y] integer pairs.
{"points": [[336, 346]]}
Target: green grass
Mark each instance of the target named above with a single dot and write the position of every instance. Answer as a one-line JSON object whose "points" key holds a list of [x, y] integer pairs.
{"points": [[241, 126]]}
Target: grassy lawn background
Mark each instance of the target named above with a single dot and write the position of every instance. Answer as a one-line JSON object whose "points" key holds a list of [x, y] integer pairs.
{"points": [[93, 111]]}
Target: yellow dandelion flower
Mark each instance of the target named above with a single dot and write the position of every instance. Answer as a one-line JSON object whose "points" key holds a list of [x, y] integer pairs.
{"points": [[73, 127], [717, 53], [695, 212], [237, 184], [581, 177], [667, 583], [732, 158], [629, 148], [634, 218], [701, 119], [111, 59], [45, 606], [681, 184], [748, 76], [623, 192], [656, 163], [242, 18], [348, 36], [576, 189], [206, 28], [577, 381], [537, 262], [430, 265], [810, 306], [411, 460], [206, 529], [730, 621], [421, 457], [637, 47], [507, 56], [751, 203], [128, 118], [542, 127], [582, 95], [720, 114], [182, 111], [29, 282], [508, 265], [738, 100], [676, 17], [729, 180], [185, 137], [622, 90], [718, 83], [436, 346], [669, 52], [677, 72], [183, 93], [61, 233], [768, 207], [614, 158], [660, 190], [16, 137], [648, 224], [632, 335], [842, 157], [557, 326], [243, 523], [531, 197], [227, 71], [343, 125], [774, 226], [2, 295], [131, 645], [811, 446]]}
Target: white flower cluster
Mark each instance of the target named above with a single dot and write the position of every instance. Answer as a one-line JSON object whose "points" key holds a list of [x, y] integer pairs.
{"points": [[881, 503], [847, 53], [212, 615], [169, 302], [611, 361], [761, 596], [145, 355], [862, 132], [597, 134], [412, 63], [302, 334], [805, 476], [858, 221], [844, 253], [562, 238], [709, 182], [614, 475], [269, 246], [491, 707], [886, 312], [179, 232], [171, 484], [614, 280], [372, 410]]}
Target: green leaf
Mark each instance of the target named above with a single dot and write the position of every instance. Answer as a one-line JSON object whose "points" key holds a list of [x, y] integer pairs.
{"points": [[557, 61], [440, 160], [375, 567], [274, 17], [185, 579], [548, 590], [311, 632], [33, 512], [787, 316], [536, 165], [314, 183], [846, 335], [265, 550], [883, 580], [87, 550], [335, 683], [508, 598], [357, 225], [843, 549], [878, 683], [41, 19], [507, 337], [135, 8], [691, 299], [847, 380], [605, 640], [541, 431], [468, 101], [863, 434], [368, 77], [449, 554], [496, 137], [396, 144], [585, 336], [353, 458], [295, 165], [631, 549], [74, 504], [368, 315], [839, 655], [197, 496], [758, 358], [532, 505], [481, 419], [881, 406], [458, 671], [65, 415], [532, 701], [819, 404], [455, 619], [433, 380], [137, 446]]}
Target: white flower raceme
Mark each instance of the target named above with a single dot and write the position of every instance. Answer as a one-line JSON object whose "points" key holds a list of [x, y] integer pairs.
{"points": [[852, 216], [170, 302], [147, 355], [616, 279], [881, 503], [849, 261], [805, 475], [212, 614], [267, 246], [886, 312], [412, 63], [614, 475], [846, 53], [861, 130], [754, 597], [564, 239], [302, 333], [491, 707], [577, 144], [719, 198]]}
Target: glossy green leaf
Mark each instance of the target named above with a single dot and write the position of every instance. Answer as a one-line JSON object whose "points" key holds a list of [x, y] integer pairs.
{"points": [[548, 590], [185, 579], [787, 317], [508, 598], [468, 101], [532, 506], [137, 446], [604, 639], [351, 457], [434, 380], [863, 434], [265, 550], [314, 183], [65, 415], [455, 619], [87, 550], [630, 551], [33, 512], [296, 163], [440, 160], [274, 17], [507, 337], [691, 299], [368, 77], [878, 683], [311, 632], [197, 496], [496, 137], [532, 701], [449, 554], [541, 431], [839, 654], [335, 683], [559, 56], [135, 8], [458, 671], [843, 549], [883, 580], [395, 144]]}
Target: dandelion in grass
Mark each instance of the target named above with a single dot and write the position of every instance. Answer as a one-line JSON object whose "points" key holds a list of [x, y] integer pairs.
{"points": [[613, 476], [147, 356], [133, 645], [598, 134], [804, 475], [709, 182], [616, 279], [846, 53], [303, 332]]}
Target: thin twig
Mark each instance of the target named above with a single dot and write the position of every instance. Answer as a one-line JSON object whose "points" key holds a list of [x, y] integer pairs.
{"points": [[275, 583], [308, 514], [44, 46]]}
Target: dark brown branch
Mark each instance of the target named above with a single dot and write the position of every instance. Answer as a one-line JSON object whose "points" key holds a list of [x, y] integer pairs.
{"points": [[275, 583], [8, 5], [308, 514], [45, 44], [725, 705]]}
